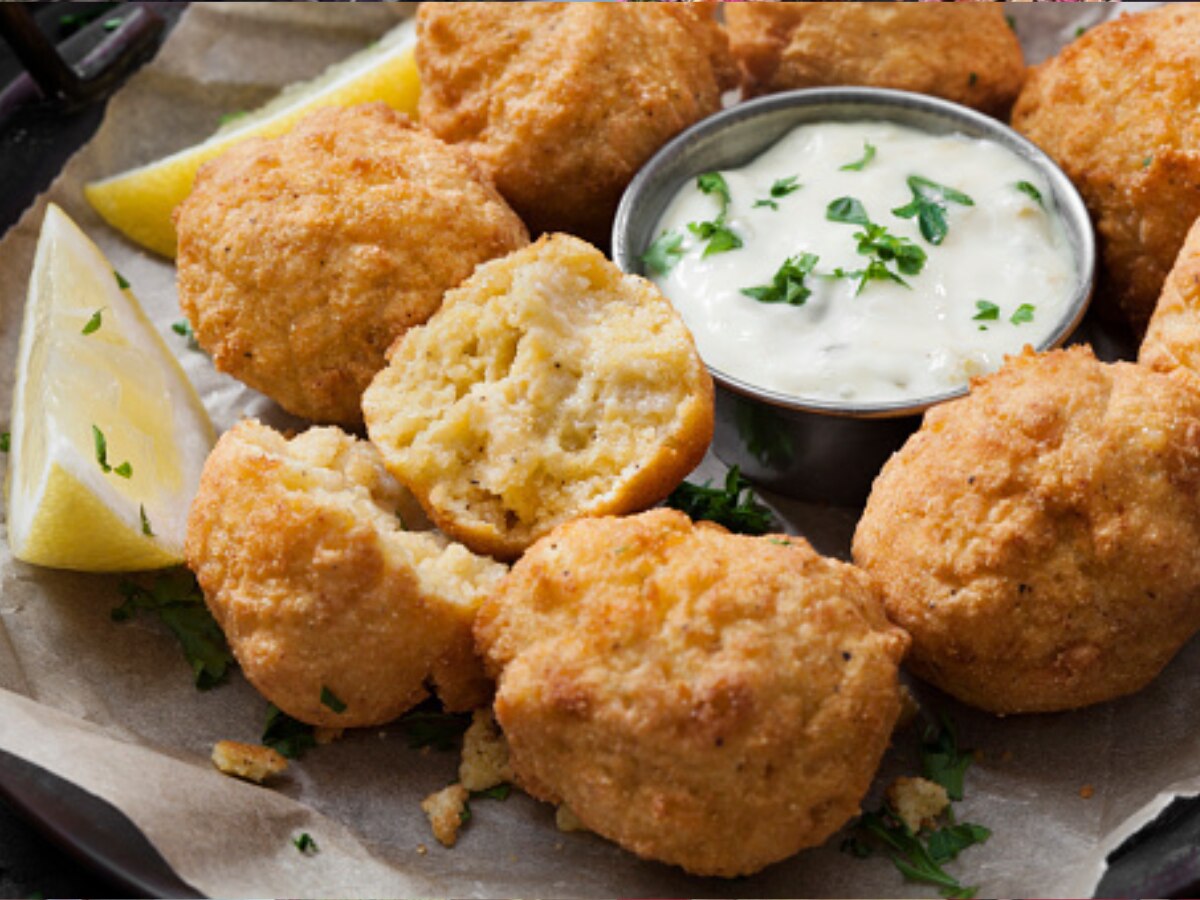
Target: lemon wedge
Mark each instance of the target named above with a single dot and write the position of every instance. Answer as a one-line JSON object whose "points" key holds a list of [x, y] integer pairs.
{"points": [[108, 435], [139, 203]]}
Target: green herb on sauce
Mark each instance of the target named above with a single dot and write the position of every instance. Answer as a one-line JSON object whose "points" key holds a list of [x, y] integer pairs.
{"points": [[847, 210], [928, 206], [781, 188], [1032, 192], [787, 285], [662, 255], [859, 165], [1023, 313], [5, 441], [121, 282], [875, 241], [988, 311], [720, 237], [93, 324], [146, 529]]}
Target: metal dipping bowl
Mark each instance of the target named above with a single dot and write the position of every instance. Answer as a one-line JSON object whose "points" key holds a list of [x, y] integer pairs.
{"points": [[824, 450]]}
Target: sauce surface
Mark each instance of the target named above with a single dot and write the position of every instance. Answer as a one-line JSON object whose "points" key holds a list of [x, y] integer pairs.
{"points": [[1000, 277]]}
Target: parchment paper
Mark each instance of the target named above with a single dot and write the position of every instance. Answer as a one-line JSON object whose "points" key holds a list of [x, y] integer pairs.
{"points": [[112, 708]]}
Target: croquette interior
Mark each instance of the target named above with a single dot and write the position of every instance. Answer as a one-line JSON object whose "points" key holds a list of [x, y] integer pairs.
{"points": [[539, 391], [346, 475]]}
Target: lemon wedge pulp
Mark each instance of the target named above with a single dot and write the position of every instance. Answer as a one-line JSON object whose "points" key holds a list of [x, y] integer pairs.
{"points": [[73, 503], [139, 203]]}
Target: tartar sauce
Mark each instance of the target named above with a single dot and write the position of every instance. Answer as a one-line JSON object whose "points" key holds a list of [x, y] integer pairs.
{"points": [[786, 287]]}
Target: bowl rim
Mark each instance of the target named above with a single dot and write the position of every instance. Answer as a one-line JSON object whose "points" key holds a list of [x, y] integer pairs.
{"points": [[877, 104]]}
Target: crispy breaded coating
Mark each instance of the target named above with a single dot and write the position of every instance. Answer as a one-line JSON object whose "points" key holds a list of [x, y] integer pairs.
{"points": [[917, 802], [549, 386], [1173, 338], [710, 700], [563, 102], [484, 762], [302, 257], [253, 762], [1038, 537], [307, 568], [965, 53], [445, 809], [1119, 110]]}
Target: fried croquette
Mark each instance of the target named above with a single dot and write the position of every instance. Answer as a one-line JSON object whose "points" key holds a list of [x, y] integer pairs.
{"points": [[1119, 110], [705, 699], [965, 53], [336, 613], [549, 386], [1173, 338], [302, 257], [563, 102], [1038, 537]]}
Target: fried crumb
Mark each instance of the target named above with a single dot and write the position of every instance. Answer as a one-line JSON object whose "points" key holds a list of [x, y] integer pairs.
{"points": [[484, 754], [917, 801], [566, 820], [327, 735], [422, 849], [909, 707], [1087, 792], [445, 811], [252, 762]]}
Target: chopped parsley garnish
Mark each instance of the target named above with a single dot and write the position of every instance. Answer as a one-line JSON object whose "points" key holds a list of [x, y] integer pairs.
{"points": [[112, 24], [305, 844], [720, 237], [1023, 313], [733, 506], [876, 242], [125, 469], [787, 285], [177, 600], [928, 206], [714, 183], [942, 761], [988, 311], [781, 188], [1029, 190], [429, 726], [661, 256], [920, 856], [285, 735], [183, 328], [93, 324], [1147, 161], [146, 529], [121, 282], [330, 699], [499, 792], [228, 117], [5, 441], [972, 78], [859, 165], [848, 210], [1080, 31]]}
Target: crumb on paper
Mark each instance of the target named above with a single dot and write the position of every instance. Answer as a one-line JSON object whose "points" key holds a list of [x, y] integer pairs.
{"points": [[422, 849], [326, 735], [909, 707], [484, 754], [1087, 792], [252, 762], [917, 801], [566, 820], [445, 809]]}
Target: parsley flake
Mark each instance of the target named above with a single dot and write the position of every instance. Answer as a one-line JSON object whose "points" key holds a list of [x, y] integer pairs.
{"points": [[781, 188], [662, 255], [112, 24], [499, 792], [928, 206], [428, 726], [719, 236], [228, 117], [859, 165], [988, 311], [330, 699], [176, 599], [1023, 313], [941, 759], [121, 282], [305, 844], [787, 285], [733, 506], [183, 328], [93, 324], [146, 529], [285, 735], [1032, 192], [5, 441], [125, 470], [847, 210], [1147, 161], [714, 183], [101, 445]]}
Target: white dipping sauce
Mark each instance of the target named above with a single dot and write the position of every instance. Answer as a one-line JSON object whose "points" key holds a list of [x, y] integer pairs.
{"points": [[888, 342]]}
